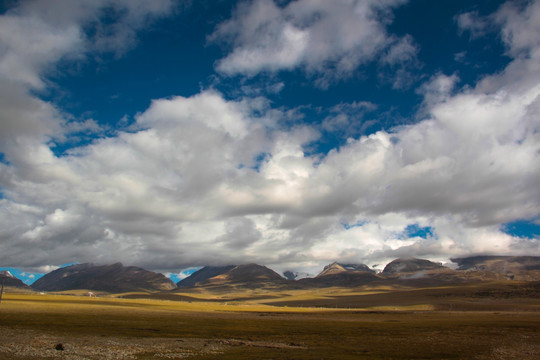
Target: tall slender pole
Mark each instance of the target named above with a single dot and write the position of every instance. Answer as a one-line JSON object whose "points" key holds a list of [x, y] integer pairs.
{"points": [[2, 291]]}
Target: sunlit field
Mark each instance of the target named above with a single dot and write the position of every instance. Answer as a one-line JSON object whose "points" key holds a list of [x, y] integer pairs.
{"points": [[379, 323]]}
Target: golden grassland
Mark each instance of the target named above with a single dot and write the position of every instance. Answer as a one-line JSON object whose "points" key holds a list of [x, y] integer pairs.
{"points": [[483, 321]]}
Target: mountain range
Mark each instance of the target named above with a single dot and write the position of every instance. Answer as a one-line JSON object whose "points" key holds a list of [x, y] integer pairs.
{"points": [[7, 279], [117, 278], [114, 278], [244, 276]]}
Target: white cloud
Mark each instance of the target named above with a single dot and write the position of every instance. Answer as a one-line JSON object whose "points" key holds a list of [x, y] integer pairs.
{"points": [[520, 28], [34, 36], [327, 39], [348, 118], [37, 33], [438, 89], [110, 25], [473, 23], [271, 42], [182, 274], [205, 180], [27, 44], [402, 51], [25, 120], [53, 225], [185, 191]]}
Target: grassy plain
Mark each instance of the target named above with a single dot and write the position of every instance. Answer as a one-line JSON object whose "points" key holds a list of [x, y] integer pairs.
{"points": [[488, 321]]}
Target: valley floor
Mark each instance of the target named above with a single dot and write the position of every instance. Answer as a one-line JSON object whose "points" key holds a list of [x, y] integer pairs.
{"points": [[34, 326]]}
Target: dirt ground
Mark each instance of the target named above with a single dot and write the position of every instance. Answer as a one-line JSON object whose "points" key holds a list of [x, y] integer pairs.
{"points": [[74, 328], [30, 344]]}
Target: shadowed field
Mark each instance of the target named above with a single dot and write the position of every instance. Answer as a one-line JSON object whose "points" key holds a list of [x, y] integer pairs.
{"points": [[32, 325]]}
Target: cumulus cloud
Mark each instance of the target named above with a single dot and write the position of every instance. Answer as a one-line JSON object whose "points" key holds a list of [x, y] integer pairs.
{"points": [[35, 35], [102, 25], [209, 180], [38, 33], [328, 40], [29, 44], [520, 28]]}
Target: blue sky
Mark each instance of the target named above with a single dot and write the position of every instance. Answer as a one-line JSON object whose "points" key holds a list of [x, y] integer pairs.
{"points": [[176, 134]]}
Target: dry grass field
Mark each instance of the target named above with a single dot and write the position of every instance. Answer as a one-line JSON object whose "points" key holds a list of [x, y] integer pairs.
{"points": [[486, 321]]}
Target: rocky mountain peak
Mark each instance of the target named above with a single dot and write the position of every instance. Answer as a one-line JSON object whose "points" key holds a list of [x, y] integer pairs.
{"points": [[337, 268], [8, 279]]}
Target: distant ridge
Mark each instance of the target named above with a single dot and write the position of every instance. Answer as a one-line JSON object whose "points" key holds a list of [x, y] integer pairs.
{"points": [[338, 268], [338, 274], [403, 271], [114, 278], [511, 267], [11, 281], [410, 272], [410, 265], [494, 263], [247, 276], [204, 274]]}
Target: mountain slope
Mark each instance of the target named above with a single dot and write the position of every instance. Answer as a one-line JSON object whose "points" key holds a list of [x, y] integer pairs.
{"points": [[114, 278], [337, 274], [526, 268], [203, 274], [338, 268], [11, 281], [246, 276], [410, 265]]}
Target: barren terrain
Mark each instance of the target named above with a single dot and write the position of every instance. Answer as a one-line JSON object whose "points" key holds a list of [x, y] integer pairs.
{"points": [[488, 321]]}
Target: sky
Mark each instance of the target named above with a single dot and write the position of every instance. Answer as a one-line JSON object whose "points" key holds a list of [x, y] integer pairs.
{"points": [[177, 134]]}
